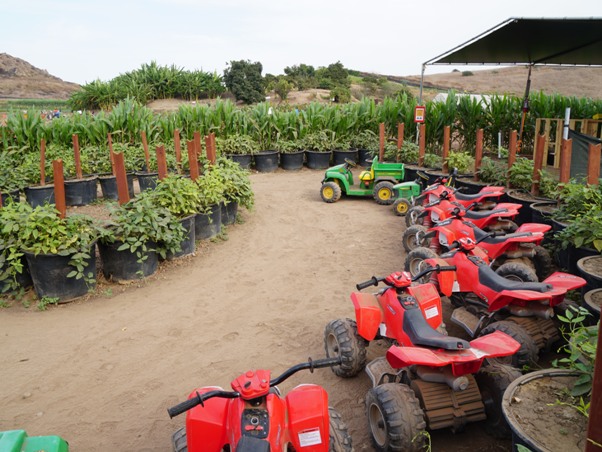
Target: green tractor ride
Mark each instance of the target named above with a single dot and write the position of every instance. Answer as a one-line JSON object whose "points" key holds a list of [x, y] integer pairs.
{"points": [[19, 441], [379, 181]]}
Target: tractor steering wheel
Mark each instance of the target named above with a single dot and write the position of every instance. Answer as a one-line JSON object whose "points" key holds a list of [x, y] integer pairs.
{"points": [[350, 163]]}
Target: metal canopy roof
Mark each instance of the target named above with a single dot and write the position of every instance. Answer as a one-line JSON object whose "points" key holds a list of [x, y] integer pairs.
{"points": [[524, 41]]}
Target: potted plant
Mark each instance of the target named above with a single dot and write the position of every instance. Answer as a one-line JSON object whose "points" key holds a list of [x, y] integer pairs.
{"points": [[291, 154], [60, 252], [101, 162], [547, 410], [366, 142], [14, 272], [208, 220], [318, 148], [13, 181], [408, 154], [343, 151], [237, 190], [139, 233], [36, 192], [239, 148]]}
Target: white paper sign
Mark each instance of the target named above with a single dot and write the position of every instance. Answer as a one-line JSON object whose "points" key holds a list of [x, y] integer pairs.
{"points": [[310, 438]]}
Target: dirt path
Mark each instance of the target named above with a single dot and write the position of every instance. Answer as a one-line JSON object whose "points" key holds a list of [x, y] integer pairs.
{"points": [[102, 372]]}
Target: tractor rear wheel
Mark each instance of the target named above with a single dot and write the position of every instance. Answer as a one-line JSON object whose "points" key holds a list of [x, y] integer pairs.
{"points": [[342, 339], [401, 207], [383, 193], [330, 192], [395, 418], [339, 437]]}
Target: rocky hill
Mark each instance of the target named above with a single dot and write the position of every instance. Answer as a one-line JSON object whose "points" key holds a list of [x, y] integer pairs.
{"points": [[21, 80]]}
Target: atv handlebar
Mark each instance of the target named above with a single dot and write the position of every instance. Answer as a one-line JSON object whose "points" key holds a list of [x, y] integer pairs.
{"points": [[375, 280], [371, 282], [200, 398]]}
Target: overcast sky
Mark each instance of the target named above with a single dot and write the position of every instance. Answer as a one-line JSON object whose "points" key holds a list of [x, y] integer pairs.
{"points": [[81, 40]]}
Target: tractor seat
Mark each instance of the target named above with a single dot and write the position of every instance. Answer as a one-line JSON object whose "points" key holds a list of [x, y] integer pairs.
{"points": [[484, 213], [421, 333], [367, 176], [491, 279]]}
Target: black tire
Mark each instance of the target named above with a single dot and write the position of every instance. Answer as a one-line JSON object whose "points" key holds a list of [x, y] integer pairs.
{"points": [[341, 339], [412, 216], [401, 206], [528, 352], [330, 192], [383, 193], [339, 437], [516, 271], [178, 440], [395, 419], [493, 380], [542, 261], [413, 237], [502, 225], [415, 261]]}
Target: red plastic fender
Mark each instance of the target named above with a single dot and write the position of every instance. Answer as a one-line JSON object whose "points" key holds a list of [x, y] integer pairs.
{"points": [[206, 425], [562, 283], [368, 314], [308, 419], [534, 227]]}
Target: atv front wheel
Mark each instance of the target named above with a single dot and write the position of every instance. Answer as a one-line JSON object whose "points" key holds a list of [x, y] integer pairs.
{"points": [[330, 192], [415, 261], [383, 193], [527, 354], [339, 437], [413, 216], [342, 339], [493, 380], [178, 440], [413, 237], [401, 207], [395, 418]]}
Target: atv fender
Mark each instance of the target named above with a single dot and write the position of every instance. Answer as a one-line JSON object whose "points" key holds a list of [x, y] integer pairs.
{"points": [[368, 314], [206, 425], [561, 283], [534, 227], [308, 418]]}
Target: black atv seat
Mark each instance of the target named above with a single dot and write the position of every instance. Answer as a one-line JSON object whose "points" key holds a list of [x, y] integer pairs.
{"points": [[421, 333], [482, 236], [468, 197], [252, 444], [483, 213], [491, 279]]}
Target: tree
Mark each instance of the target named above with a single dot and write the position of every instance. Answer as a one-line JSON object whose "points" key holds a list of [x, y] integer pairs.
{"points": [[282, 88], [332, 76], [244, 80], [302, 76]]}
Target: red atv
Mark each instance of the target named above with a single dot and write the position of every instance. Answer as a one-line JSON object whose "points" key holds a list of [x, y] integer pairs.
{"points": [[486, 302], [433, 379], [255, 418], [517, 256]]}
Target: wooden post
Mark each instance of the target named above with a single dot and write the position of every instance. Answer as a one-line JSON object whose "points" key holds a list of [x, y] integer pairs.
{"points": [[123, 194], [59, 187], [446, 139], [400, 132], [197, 143], [566, 151], [111, 153], [593, 164], [192, 160], [478, 154], [512, 151], [537, 163], [43, 162], [161, 162], [211, 150], [77, 156], [176, 142], [421, 144], [145, 147], [594, 426], [0, 200], [381, 142]]}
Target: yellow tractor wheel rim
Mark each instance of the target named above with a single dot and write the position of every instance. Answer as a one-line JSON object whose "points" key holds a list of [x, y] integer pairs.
{"points": [[384, 194], [328, 192], [402, 207]]}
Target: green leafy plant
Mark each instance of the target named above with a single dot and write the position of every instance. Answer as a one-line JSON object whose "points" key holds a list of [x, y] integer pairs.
{"points": [[236, 183], [12, 176], [180, 195], [409, 152], [461, 160], [12, 216], [321, 141], [237, 144], [492, 171], [287, 146], [432, 160], [44, 302], [211, 188], [366, 139]]}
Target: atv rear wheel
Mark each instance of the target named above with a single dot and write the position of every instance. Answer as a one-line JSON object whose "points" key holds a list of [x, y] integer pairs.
{"points": [[528, 352], [493, 380], [339, 437], [415, 261], [330, 192], [383, 193], [401, 207], [178, 440], [516, 271], [413, 216], [341, 339], [542, 261], [413, 237], [395, 418]]}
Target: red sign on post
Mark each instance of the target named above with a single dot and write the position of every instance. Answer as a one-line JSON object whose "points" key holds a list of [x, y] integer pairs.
{"points": [[419, 113]]}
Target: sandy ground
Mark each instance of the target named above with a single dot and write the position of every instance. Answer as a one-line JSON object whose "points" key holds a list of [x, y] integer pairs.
{"points": [[101, 372]]}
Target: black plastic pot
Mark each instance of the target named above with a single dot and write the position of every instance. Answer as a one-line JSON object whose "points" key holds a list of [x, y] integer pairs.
{"points": [[146, 180], [593, 278], [108, 185], [575, 254], [266, 161], [339, 156], [49, 275], [124, 265], [23, 279], [244, 160], [292, 161], [318, 160], [364, 157], [229, 212], [207, 225], [541, 212], [411, 172], [80, 192], [592, 300], [39, 195], [12, 195], [561, 256], [433, 175], [469, 185], [188, 244], [525, 199]]}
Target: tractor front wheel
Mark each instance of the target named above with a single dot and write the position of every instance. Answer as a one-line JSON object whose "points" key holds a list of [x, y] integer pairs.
{"points": [[383, 193], [330, 192], [401, 207]]}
